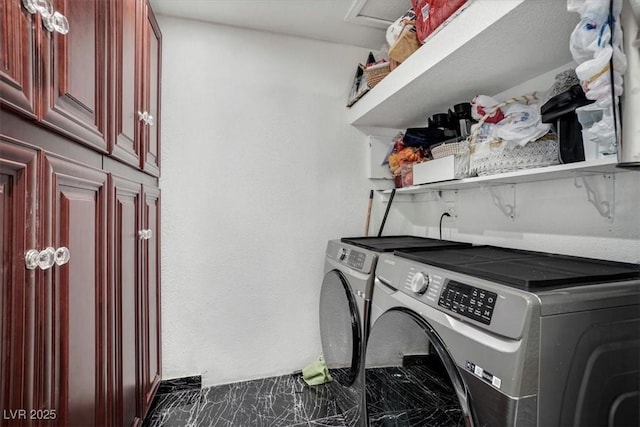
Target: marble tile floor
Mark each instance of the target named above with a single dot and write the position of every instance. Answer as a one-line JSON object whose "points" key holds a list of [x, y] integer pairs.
{"points": [[282, 401], [416, 395]]}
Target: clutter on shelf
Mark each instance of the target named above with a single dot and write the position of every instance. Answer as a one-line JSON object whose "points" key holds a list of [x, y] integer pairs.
{"points": [[404, 37], [431, 14], [595, 47]]}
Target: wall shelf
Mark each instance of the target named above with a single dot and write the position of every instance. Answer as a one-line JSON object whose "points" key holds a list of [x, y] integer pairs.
{"points": [[606, 165], [491, 46]]}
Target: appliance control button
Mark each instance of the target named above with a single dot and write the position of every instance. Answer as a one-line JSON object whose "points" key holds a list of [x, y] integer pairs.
{"points": [[419, 283], [342, 254]]}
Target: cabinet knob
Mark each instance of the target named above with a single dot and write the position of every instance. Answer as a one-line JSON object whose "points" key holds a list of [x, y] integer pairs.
{"points": [[62, 255], [56, 22], [142, 234], [143, 116], [31, 259], [149, 234], [46, 258], [150, 120], [43, 7]]}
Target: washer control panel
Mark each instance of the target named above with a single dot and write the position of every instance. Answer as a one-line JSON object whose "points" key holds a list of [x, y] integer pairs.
{"points": [[352, 258], [468, 301]]}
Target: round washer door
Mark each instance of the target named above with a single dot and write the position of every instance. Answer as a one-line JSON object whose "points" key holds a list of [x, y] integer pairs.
{"points": [[411, 379], [340, 328]]}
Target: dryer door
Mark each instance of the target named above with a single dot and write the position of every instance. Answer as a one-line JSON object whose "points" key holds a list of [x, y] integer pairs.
{"points": [[411, 380], [340, 328]]}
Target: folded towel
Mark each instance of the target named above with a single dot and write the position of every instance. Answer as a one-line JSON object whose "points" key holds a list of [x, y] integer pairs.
{"points": [[316, 373]]}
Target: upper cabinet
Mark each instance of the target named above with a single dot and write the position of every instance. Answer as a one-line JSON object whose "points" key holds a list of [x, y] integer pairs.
{"points": [[74, 73], [17, 57], [151, 94], [135, 70], [97, 83], [492, 46]]}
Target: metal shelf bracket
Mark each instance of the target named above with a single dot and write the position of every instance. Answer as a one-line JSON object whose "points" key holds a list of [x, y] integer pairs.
{"points": [[504, 199], [601, 192]]}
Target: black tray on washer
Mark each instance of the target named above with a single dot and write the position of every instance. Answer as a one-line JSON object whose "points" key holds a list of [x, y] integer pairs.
{"points": [[392, 243], [525, 269]]}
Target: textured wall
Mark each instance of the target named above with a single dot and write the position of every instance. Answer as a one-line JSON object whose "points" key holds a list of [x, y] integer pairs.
{"points": [[259, 170]]}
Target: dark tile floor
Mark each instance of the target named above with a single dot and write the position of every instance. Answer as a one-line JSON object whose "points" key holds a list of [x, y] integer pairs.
{"points": [[275, 402], [416, 395]]}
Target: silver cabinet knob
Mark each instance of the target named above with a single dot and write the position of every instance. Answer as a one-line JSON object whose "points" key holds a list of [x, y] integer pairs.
{"points": [[56, 22], [46, 258], [146, 118], [31, 259], [43, 7], [62, 255], [148, 234], [142, 234]]}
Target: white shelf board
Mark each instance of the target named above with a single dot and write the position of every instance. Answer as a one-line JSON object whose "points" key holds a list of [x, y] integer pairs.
{"points": [[491, 46], [600, 166]]}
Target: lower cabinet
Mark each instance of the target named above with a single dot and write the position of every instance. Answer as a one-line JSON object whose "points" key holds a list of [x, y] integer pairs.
{"points": [[79, 301], [135, 291]]}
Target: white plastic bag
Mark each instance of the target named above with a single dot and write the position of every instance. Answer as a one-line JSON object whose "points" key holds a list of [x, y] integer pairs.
{"points": [[521, 124]]}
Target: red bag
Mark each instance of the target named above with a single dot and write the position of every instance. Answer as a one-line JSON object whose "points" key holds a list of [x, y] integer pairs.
{"points": [[430, 14]]}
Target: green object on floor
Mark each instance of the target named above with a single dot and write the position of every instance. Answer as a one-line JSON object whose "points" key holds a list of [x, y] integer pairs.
{"points": [[316, 373]]}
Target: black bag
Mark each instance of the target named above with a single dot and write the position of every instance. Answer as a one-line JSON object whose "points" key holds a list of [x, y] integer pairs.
{"points": [[561, 112]]}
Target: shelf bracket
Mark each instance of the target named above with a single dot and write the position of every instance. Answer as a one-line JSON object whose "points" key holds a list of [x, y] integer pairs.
{"points": [[504, 200], [601, 192]]}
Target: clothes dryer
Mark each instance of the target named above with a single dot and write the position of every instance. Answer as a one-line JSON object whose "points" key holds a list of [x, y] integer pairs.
{"points": [[345, 303], [489, 336]]}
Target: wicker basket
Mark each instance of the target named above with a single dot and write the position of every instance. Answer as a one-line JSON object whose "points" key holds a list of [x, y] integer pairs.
{"points": [[498, 157], [375, 73], [444, 150]]}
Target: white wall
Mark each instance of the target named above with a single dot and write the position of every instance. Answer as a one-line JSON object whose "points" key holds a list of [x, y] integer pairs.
{"points": [[553, 216], [259, 170]]}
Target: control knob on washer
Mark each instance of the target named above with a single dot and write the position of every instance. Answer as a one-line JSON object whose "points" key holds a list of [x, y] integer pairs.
{"points": [[419, 283], [342, 254]]}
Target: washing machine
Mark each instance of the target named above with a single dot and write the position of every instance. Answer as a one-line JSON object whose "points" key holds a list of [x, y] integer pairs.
{"points": [[488, 336], [345, 303]]}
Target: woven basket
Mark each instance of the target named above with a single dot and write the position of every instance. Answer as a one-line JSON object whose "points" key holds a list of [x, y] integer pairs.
{"points": [[444, 150], [375, 73], [497, 157]]}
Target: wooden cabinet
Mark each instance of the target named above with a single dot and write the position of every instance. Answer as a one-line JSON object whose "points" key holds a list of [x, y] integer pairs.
{"points": [[73, 303], [125, 289], [74, 74], [151, 96], [53, 316], [79, 170], [59, 80], [17, 58], [18, 177], [151, 297], [135, 292], [136, 92], [126, 75]]}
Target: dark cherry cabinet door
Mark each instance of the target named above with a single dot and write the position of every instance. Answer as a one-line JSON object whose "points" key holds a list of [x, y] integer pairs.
{"points": [[17, 58], [74, 300], [18, 174], [151, 349], [74, 74], [126, 72], [152, 72], [125, 214]]}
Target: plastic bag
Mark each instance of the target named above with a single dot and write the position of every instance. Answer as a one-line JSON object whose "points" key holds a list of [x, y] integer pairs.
{"points": [[521, 124], [395, 29], [483, 104]]}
